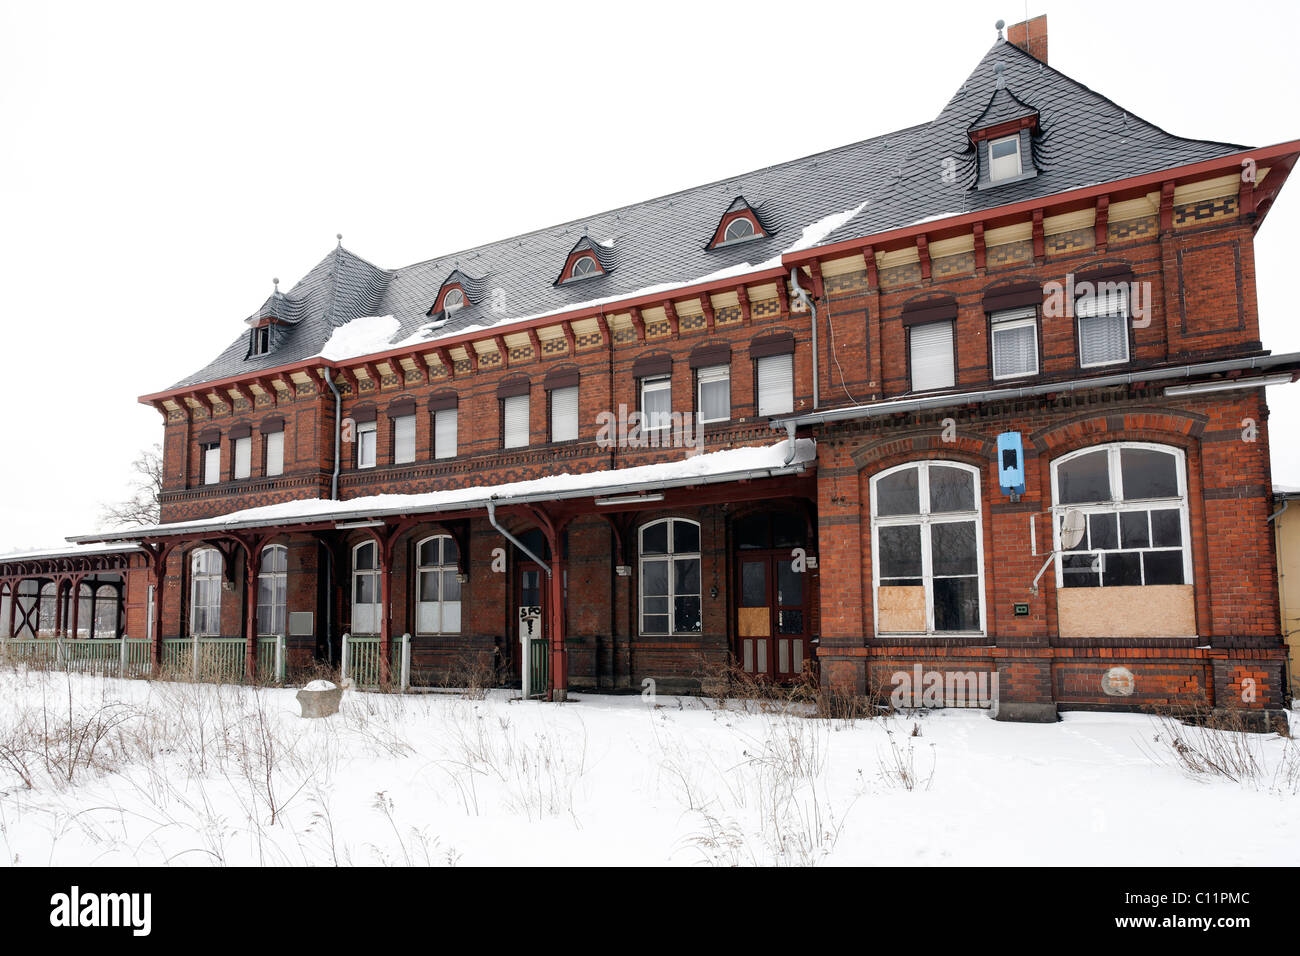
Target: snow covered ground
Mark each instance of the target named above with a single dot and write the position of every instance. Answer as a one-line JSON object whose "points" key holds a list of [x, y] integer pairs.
{"points": [[199, 775]]}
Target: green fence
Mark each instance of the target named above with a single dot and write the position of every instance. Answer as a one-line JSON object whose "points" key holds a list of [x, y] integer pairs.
{"points": [[361, 657], [215, 659]]}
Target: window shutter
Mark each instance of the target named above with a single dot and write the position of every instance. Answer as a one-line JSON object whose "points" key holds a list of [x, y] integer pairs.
{"points": [[404, 439], [275, 453], [212, 465], [444, 433], [243, 457], [776, 384], [515, 409], [564, 414], [932, 365]]}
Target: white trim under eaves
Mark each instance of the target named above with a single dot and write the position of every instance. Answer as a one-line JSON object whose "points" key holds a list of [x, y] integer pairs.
{"points": [[953, 399]]}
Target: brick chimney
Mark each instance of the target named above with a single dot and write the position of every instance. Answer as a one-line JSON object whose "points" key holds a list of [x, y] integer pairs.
{"points": [[1030, 36]]}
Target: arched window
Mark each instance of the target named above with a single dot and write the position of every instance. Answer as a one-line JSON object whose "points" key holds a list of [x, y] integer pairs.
{"points": [[670, 577], [437, 602], [272, 590], [205, 593], [1134, 499], [738, 229], [927, 549], [365, 588], [105, 612], [453, 300], [584, 266]]}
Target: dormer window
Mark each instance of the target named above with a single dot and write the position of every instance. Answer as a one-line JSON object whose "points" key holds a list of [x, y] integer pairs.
{"points": [[740, 222], [453, 300], [1004, 158], [584, 266], [588, 259], [261, 341], [738, 230]]}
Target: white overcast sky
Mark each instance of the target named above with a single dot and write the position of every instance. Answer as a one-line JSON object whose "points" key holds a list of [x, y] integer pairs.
{"points": [[161, 162]]}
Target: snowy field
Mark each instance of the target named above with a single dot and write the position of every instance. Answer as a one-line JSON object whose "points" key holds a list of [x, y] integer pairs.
{"points": [[104, 771]]}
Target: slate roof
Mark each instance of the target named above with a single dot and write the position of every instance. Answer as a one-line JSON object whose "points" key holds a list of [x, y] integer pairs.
{"points": [[897, 180]]}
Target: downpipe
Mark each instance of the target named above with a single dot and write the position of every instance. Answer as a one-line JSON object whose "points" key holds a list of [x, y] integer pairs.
{"points": [[492, 519]]}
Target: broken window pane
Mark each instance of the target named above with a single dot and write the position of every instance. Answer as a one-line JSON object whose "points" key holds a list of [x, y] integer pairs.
{"points": [[956, 604]]}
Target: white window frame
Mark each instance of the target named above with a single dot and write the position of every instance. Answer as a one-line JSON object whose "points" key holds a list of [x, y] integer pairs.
{"points": [[925, 519], [365, 615], [752, 234], [564, 420], [1114, 451], [242, 453], [445, 427], [261, 341], [580, 272], [1005, 320], [404, 439], [453, 299], [513, 404], [952, 354], [448, 618], [274, 453], [712, 375], [206, 568], [367, 444], [653, 384], [999, 169], [212, 463], [781, 366], [1094, 311], [669, 557], [273, 575]]}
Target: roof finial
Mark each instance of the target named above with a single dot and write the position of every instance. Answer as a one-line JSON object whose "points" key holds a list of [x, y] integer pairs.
{"points": [[1000, 24], [340, 238], [276, 283], [1000, 68]]}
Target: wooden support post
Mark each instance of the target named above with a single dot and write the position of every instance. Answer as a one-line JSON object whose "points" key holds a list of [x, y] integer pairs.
{"points": [[74, 609], [252, 561]]}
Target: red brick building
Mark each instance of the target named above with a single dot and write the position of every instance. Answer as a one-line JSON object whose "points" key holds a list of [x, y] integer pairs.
{"points": [[1018, 346]]}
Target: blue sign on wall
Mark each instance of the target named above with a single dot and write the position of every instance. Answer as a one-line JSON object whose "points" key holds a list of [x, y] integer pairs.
{"points": [[1011, 463]]}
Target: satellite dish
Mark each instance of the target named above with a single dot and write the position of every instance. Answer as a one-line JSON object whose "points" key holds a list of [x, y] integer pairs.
{"points": [[1072, 528]]}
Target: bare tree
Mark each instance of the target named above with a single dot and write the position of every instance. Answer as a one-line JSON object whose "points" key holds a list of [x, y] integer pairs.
{"points": [[144, 506]]}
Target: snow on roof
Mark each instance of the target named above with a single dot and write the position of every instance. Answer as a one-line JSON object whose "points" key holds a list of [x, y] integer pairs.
{"points": [[731, 464], [358, 337], [73, 551]]}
